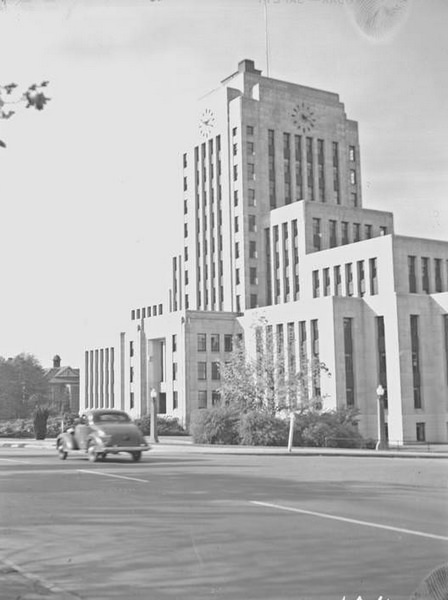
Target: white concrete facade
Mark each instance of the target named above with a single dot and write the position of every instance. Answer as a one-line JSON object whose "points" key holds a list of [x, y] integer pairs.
{"points": [[274, 228]]}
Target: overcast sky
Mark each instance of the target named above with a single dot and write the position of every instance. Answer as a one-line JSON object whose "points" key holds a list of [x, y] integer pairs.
{"points": [[90, 188]]}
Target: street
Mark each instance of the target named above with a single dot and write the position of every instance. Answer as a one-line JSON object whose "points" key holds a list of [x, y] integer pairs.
{"points": [[192, 526]]}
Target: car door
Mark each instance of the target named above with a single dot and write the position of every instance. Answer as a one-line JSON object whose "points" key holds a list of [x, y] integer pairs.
{"points": [[82, 432]]}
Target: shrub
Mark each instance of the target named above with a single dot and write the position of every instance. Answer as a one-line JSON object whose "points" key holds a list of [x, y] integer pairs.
{"points": [[166, 425], [262, 429], [18, 428], [328, 432], [215, 426]]}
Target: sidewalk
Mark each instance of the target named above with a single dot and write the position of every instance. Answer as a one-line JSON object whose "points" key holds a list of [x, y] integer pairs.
{"points": [[185, 445]]}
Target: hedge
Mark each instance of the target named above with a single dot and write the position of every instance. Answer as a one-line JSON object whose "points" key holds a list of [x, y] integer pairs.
{"points": [[223, 425]]}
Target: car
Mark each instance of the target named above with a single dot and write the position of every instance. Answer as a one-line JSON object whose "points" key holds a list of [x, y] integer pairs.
{"points": [[100, 432]]}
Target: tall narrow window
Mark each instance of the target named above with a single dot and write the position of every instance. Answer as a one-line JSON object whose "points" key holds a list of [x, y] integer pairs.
{"points": [[271, 166], [287, 167], [438, 274], [315, 357], [316, 234], [425, 274], [349, 370], [316, 284], [202, 399], [337, 281], [202, 370], [373, 276], [326, 283], [321, 170], [420, 432], [268, 266], [381, 346], [336, 187], [361, 278], [291, 348], [215, 371], [303, 359], [344, 232], [415, 357], [214, 342], [298, 166], [356, 232], [412, 275], [333, 234], [309, 167], [202, 342], [348, 279], [368, 231]]}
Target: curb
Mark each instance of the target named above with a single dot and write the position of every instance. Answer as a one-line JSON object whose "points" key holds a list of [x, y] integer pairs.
{"points": [[190, 448]]}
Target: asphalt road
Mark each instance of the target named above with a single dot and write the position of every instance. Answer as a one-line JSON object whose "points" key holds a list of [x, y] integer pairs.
{"points": [[195, 526]]}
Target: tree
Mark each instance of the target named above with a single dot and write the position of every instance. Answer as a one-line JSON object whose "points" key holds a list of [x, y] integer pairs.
{"points": [[22, 386], [33, 97], [271, 381], [265, 383]]}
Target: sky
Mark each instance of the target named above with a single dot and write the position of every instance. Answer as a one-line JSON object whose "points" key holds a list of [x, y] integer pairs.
{"points": [[90, 187]]}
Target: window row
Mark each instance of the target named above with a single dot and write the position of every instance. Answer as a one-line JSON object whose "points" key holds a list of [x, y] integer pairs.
{"points": [[203, 398], [342, 233], [214, 342], [215, 371], [433, 275], [329, 281], [304, 159], [146, 311]]}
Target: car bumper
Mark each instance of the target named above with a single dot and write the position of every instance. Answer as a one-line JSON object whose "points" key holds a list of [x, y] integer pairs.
{"points": [[115, 449]]}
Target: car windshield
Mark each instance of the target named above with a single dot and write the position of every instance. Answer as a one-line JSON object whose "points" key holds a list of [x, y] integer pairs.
{"points": [[111, 417]]}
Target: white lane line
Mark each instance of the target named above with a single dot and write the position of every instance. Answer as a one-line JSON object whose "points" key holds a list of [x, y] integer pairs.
{"points": [[354, 521], [23, 462], [110, 475]]}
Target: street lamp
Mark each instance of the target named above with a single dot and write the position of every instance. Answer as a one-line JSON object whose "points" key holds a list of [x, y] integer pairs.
{"points": [[382, 439], [153, 436]]}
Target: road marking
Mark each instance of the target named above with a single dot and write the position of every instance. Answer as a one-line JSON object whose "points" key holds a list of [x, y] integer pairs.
{"points": [[111, 475], [354, 521], [23, 462], [51, 587]]}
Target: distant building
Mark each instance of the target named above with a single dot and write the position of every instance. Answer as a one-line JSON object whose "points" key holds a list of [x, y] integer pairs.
{"points": [[64, 386], [276, 247]]}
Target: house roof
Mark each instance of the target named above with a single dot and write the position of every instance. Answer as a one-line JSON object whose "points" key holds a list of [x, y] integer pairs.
{"points": [[62, 375]]}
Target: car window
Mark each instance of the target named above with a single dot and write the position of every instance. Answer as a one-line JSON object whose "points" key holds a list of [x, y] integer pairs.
{"points": [[106, 417]]}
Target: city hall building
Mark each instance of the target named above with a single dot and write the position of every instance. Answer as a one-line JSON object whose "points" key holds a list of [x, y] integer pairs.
{"points": [[277, 249]]}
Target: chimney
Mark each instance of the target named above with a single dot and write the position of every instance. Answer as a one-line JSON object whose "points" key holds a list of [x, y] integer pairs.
{"points": [[56, 361], [247, 66]]}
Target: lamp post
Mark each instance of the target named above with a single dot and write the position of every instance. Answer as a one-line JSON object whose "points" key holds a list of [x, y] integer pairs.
{"points": [[382, 440], [153, 436]]}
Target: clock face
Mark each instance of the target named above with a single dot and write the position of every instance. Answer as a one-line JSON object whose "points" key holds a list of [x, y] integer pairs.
{"points": [[206, 122], [303, 117]]}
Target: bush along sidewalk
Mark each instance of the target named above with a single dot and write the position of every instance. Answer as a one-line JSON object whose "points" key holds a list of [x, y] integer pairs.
{"points": [[227, 425]]}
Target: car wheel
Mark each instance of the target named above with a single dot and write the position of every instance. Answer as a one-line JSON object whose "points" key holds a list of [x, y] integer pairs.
{"points": [[102, 456], [136, 456], [62, 451], [92, 453]]}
